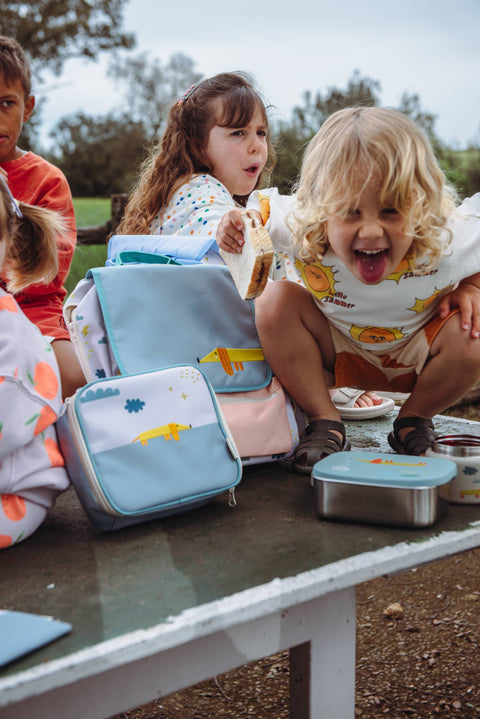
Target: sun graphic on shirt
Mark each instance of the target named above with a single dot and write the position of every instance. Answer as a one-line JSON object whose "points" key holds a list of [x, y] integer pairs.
{"points": [[408, 264], [318, 279], [375, 335], [422, 305]]}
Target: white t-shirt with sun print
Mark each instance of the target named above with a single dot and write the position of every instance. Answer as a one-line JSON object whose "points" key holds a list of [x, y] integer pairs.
{"points": [[382, 316]]}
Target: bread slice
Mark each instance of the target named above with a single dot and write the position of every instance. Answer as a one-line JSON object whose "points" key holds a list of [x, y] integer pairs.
{"points": [[250, 267]]}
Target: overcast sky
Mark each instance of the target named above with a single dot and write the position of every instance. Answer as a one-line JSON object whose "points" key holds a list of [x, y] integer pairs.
{"points": [[427, 47]]}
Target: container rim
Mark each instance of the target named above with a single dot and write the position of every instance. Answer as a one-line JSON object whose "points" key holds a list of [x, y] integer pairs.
{"points": [[381, 484], [457, 445]]}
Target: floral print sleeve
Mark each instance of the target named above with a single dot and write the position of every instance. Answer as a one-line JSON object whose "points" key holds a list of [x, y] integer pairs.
{"points": [[30, 396]]}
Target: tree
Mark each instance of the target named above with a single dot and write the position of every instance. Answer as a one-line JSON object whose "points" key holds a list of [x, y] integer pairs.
{"points": [[152, 88], [315, 110], [462, 168], [54, 31], [291, 138], [289, 147], [410, 105], [99, 155]]}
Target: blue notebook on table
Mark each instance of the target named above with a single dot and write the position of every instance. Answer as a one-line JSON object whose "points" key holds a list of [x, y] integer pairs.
{"points": [[21, 633]]}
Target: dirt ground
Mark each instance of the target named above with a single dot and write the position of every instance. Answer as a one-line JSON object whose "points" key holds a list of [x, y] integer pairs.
{"points": [[418, 637]]}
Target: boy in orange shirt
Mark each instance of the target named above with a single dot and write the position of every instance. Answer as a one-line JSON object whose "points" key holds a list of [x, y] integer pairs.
{"points": [[35, 181]]}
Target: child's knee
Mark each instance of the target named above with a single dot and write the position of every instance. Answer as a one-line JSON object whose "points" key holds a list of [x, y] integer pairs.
{"points": [[267, 307], [465, 352], [279, 301], [470, 353]]}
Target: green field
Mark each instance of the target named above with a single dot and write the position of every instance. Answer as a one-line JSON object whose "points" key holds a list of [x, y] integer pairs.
{"points": [[88, 212], [91, 211]]}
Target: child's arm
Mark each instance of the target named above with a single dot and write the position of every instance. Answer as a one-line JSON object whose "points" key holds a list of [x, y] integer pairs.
{"points": [[18, 425], [467, 298]]}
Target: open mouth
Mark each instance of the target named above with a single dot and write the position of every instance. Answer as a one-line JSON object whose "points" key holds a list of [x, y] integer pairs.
{"points": [[252, 170], [371, 264]]}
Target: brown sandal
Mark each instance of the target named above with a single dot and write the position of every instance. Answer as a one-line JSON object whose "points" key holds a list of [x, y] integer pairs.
{"points": [[319, 442], [417, 441]]}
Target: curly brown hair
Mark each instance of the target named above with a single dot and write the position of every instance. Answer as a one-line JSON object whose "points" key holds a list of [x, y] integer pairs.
{"points": [[228, 100]]}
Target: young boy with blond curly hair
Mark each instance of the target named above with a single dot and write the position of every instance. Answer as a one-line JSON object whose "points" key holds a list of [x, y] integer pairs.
{"points": [[391, 269]]}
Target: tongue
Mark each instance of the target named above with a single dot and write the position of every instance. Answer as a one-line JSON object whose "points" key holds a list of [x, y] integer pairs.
{"points": [[371, 267]]}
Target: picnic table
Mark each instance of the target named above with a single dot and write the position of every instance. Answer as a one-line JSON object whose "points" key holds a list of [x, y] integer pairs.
{"points": [[161, 606]]}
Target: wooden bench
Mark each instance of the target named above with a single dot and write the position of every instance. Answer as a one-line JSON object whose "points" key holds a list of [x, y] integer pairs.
{"points": [[164, 605]]}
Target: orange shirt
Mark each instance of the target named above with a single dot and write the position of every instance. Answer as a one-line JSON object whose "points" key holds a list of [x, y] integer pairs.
{"points": [[37, 182]]}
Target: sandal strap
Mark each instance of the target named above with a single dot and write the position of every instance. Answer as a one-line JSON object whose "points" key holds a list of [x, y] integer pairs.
{"points": [[402, 422], [420, 438], [320, 441], [346, 396], [323, 426]]}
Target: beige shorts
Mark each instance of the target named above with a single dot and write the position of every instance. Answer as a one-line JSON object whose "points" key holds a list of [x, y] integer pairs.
{"points": [[394, 370]]}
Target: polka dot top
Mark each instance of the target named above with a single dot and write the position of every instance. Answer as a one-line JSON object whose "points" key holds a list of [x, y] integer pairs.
{"points": [[195, 209]]}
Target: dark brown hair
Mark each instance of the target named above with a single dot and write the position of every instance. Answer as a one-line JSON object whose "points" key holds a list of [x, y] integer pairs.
{"points": [[14, 64]]}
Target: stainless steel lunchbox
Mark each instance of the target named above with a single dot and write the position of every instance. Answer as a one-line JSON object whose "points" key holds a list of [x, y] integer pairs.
{"points": [[380, 488]]}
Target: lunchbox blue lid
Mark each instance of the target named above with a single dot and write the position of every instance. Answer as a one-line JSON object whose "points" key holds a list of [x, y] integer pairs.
{"points": [[383, 469]]}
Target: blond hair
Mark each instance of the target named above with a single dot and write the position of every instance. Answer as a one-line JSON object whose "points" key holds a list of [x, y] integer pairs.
{"points": [[351, 147], [30, 236], [228, 99]]}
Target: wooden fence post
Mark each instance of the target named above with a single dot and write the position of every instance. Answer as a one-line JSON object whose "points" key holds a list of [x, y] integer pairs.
{"points": [[119, 202], [100, 234]]}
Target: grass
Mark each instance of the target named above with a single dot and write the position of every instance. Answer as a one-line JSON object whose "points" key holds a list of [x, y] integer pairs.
{"points": [[84, 258], [91, 211], [88, 212]]}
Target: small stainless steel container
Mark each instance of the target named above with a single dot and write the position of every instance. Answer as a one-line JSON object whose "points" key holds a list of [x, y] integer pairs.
{"points": [[381, 488], [464, 450]]}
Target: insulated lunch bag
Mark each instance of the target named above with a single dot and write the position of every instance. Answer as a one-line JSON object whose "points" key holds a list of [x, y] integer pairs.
{"points": [[138, 447]]}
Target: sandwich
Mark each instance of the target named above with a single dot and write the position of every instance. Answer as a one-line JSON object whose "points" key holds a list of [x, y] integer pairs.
{"points": [[250, 268]]}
